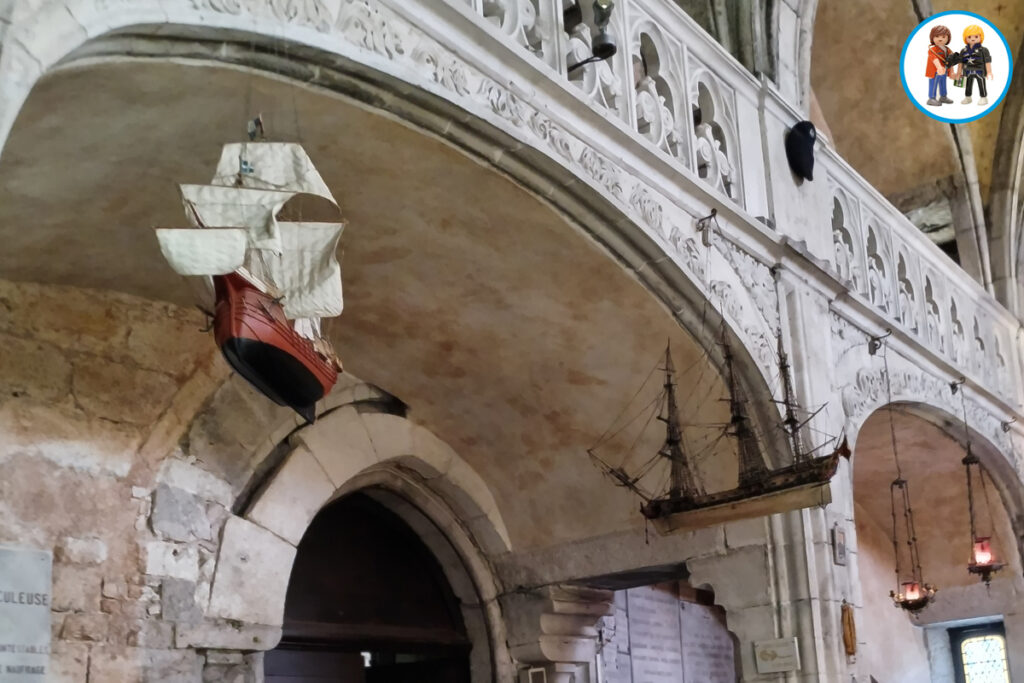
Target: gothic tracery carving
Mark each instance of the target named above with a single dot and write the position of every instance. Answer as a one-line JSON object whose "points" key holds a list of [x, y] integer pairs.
{"points": [[714, 126], [907, 295], [879, 273], [517, 19], [933, 317], [655, 101], [598, 81]]}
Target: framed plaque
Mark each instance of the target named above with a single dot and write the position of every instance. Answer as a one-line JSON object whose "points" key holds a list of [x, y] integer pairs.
{"points": [[839, 545], [24, 614]]}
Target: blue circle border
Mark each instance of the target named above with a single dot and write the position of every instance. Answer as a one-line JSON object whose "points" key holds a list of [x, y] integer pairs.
{"points": [[920, 107]]}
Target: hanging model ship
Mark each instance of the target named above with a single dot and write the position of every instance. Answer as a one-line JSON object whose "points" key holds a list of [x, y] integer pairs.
{"points": [[760, 491], [273, 275]]}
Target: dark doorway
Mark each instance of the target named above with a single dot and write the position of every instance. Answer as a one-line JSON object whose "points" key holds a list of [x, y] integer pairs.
{"points": [[368, 603]]}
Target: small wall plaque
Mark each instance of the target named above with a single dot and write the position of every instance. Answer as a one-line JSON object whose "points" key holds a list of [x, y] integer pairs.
{"points": [[839, 545], [24, 614], [777, 656]]}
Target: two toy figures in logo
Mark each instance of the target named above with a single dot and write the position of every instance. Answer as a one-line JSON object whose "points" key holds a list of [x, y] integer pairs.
{"points": [[972, 64]]}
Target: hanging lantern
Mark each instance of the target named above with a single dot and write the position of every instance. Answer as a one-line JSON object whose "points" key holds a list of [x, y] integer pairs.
{"points": [[912, 593], [913, 596], [983, 561]]}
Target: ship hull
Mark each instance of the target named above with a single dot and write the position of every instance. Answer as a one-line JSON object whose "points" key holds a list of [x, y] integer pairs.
{"points": [[259, 343], [790, 488]]}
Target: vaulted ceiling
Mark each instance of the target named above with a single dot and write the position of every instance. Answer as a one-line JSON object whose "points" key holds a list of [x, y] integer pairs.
{"points": [[505, 329]]}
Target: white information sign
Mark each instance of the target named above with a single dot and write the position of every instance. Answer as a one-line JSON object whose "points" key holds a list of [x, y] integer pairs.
{"points": [[777, 656], [24, 615]]}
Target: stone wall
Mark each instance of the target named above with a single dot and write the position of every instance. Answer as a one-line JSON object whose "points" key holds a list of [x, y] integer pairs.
{"points": [[95, 392], [890, 645], [172, 495]]}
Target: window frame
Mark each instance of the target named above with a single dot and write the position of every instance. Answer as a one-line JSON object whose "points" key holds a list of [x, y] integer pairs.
{"points": [[958, 635]]}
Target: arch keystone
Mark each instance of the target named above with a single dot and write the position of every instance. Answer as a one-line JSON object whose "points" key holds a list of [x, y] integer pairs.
{"points": [[341, 444]]}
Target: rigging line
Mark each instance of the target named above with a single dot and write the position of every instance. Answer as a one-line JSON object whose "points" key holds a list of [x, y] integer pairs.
{"points": [[710, 449], [688, 368], [640, 434], [626, 407], [640, 413]]}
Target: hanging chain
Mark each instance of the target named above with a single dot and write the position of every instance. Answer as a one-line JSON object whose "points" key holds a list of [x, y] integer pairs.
{"points": [[904, 487], [898, 483], [889, 410]]}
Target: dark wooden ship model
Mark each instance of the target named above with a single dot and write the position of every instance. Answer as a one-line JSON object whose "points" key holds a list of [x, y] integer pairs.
{"points": [[760, 491], [273, 280]]}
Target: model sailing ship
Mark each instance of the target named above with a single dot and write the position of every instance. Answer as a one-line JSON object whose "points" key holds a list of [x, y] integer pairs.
{"points": [[760, 491], [274, 276]]}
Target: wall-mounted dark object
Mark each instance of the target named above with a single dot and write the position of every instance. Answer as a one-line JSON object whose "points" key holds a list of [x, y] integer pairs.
{"points": [[800, 149], [603, 46]]}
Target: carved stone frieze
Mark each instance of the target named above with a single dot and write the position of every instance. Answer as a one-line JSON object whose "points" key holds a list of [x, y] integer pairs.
{"points": [[756, 277], [601, 169], [554, 135], [686, 248], [845, 336], [646, 206], [311, 13], [757, 342], [867, 392], [372, 27]]}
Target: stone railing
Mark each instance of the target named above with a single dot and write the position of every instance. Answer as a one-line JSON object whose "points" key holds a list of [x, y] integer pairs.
{"points": [[694, 113], [697, 108], [887, 263]]}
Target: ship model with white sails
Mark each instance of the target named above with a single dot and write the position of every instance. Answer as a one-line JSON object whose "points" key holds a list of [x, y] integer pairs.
{"points": [[263, 240], [760, 491]]}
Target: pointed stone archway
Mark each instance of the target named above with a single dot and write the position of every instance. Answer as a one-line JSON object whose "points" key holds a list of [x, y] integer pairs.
{"points": [[402, 467]]}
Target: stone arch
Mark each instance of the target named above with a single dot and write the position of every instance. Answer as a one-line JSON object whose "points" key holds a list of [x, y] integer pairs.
{"points": [[932, 400], [404, 467], [387, 61]]}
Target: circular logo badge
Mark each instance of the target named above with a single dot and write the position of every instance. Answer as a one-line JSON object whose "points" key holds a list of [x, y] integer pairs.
{"points": [[956, 66]]}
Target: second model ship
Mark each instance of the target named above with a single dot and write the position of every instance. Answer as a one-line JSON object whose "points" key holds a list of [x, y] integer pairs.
{"points": [[760, 491]]}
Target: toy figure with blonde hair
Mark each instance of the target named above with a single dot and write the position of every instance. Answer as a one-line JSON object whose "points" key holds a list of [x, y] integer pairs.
{"points": [[975, 64], [938, 54]]}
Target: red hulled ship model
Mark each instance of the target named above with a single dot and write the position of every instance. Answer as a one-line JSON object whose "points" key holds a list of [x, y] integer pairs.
{"points": [[272, 274]]}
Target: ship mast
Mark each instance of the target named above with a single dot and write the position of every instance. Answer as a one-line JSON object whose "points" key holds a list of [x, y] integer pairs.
{"points": [[682, 483], [752, 469], [791, 423]]}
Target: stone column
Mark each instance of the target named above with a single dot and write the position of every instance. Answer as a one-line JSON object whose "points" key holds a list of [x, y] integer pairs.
{"points": [[553, 630], [1014, 625]]}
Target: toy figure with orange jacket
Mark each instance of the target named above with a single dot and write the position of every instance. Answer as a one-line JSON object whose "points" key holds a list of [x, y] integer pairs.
{"points": [[939, 55]]}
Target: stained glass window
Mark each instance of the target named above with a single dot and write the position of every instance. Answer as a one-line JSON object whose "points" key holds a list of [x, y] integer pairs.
{"points": [[984, 659]]}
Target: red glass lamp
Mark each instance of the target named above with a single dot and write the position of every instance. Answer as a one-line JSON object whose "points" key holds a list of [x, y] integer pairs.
{"points": [[983, 561], [913, 596]]}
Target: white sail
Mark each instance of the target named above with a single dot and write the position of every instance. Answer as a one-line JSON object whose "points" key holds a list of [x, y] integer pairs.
{"points": [[283, 166], [255, 210], [306, 271], [203, 252], [238, 230]]}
